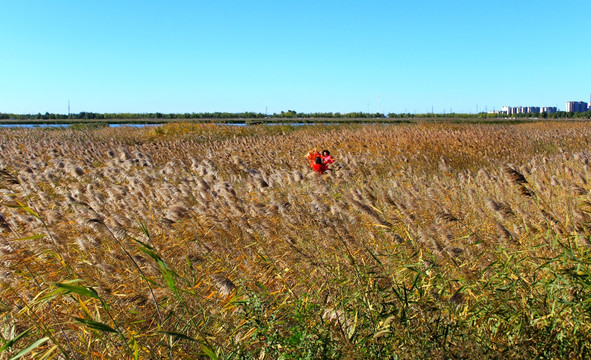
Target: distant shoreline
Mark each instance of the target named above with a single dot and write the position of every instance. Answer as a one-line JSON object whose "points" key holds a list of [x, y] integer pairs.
{"points": [[286, 121]]}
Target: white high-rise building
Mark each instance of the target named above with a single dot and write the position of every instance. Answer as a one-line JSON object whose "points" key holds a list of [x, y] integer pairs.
{"points": [[510, 110]]}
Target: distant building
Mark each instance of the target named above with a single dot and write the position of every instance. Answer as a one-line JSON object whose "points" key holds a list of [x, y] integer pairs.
{"points": [[511, 110], [576, 106], [548, 109]]}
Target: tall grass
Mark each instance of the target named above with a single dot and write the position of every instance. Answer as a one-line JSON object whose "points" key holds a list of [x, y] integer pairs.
{"points": [[189, 241]]}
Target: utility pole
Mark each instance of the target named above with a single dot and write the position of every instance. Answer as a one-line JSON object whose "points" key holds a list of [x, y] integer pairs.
{"points": [[68, 109]]}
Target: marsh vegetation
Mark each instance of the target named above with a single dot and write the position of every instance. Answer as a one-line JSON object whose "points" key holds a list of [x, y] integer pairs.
{"points": [[190, 241]]}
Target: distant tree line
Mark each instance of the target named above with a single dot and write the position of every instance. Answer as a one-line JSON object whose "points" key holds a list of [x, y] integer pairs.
{"points": [[132, 116], [289, 114]]}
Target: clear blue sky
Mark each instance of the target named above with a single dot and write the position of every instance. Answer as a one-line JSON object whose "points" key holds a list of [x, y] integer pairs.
{"points": [[309, 56]]}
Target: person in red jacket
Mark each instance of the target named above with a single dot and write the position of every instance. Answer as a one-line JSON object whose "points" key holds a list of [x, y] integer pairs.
{"points": [[312, 155], [319, 166], [326, 158]]}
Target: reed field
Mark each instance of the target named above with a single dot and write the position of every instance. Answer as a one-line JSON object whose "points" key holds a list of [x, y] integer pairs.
{"points": [[187, 241]]}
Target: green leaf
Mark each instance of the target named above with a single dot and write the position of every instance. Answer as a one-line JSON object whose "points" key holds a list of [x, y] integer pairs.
{"points": [[96, 325], [261, 286], [143, 244], [33, 237], [136, 350], [151, 254], [11, 342], [29, 210], [209, 352], [166, 273], [169, 278], [177, 335], [29, 348], [144, 229], [80, 290]]}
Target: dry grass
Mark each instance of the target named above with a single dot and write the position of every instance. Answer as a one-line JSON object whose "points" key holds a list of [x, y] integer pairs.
{"points": [[187, 241]]}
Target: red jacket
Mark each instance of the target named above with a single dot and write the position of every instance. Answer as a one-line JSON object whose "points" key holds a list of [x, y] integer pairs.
{"points": [[312, 155], [319, 168]]}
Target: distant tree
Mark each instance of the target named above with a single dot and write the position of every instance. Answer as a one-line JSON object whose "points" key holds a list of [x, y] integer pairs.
{"points": [[288, 114]]}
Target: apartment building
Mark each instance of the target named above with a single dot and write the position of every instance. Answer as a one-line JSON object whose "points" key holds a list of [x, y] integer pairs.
{"points": [[576, 106]]}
